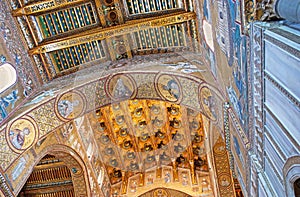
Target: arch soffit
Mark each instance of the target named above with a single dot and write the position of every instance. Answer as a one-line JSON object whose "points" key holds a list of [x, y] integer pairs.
{"points": [[291, 172], [168, 188], [145, 86], [70, 158]]}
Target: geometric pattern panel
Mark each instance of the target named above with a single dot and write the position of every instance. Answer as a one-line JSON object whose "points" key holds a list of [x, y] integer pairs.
{"points": [[46, 118], [7, 156]]}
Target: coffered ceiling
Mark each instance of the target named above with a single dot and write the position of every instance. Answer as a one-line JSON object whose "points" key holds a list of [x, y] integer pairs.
{"points": [[134, 138]]}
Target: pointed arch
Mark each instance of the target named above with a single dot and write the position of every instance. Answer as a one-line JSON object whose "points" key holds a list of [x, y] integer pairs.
{"points": [[71, 160]]}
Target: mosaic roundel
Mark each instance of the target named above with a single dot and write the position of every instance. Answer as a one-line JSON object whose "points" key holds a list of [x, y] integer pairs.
{"points": [[21, 133], [168, 87], [120, 87], [70, 105], [220, 149], [160, 192], [224, 180]]}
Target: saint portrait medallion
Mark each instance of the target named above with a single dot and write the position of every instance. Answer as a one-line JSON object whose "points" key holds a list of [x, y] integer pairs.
{"points": [[22, 133], [70, 105]]}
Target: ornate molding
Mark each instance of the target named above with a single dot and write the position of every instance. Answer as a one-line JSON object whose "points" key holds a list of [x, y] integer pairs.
{"points": [[226, 107], [257, 81], [266, 10], [44, 6], [256, 128], [282, 90], [289, 163], [239, 129]]}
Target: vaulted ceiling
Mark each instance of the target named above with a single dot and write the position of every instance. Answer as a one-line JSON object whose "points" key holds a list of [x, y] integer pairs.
{"points": [[130, 146]]}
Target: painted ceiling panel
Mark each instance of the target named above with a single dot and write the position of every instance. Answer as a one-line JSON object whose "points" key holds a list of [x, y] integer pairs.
{"points": [[67, 20], [58, 34]]}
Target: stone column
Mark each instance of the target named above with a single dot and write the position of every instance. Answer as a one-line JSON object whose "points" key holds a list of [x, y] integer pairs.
{"points": [[288, 9]]}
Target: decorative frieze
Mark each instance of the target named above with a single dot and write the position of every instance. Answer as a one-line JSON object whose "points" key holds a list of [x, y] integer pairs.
{"points": [[282, 90], [257, 73], [25, 31]]}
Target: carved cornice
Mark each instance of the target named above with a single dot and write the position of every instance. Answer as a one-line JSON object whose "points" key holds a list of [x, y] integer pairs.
{"points": [[283, 45], [282, 90]]}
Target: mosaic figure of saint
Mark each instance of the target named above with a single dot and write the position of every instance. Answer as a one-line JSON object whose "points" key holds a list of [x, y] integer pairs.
{"points": [[121, 90], [19, 168], [17, 137], [224, 182], [167, 177], [211, 104], [173, 88], [66, 107], [150, 179]]}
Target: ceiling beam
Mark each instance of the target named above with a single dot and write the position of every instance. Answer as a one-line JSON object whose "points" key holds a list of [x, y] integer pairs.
{"points": [[44, 6]]}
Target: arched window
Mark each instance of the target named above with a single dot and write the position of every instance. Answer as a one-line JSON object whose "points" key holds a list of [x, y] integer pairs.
{"points": [[297, 187], [8, 76]]}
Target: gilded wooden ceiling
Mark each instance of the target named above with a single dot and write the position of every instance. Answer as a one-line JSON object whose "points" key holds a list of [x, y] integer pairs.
{"points": [[66, 35], [152, 127], [50, 177], [136, 137]]}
